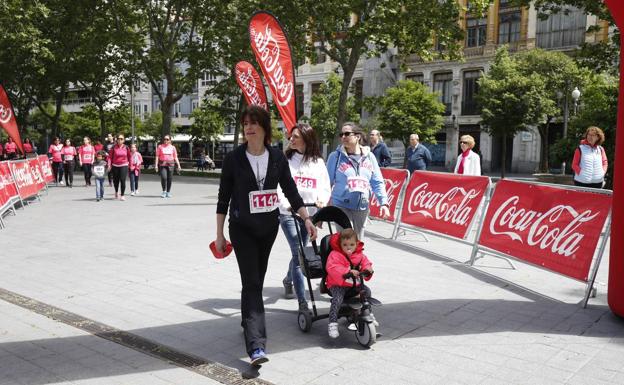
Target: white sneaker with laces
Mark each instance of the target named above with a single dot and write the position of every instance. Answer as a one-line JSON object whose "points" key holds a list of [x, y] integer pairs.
{"points": [[132, 193], [332, 330]]}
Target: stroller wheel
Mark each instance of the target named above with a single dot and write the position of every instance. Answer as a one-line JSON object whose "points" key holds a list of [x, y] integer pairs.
{"points": [[304, 319], [366, 333]]}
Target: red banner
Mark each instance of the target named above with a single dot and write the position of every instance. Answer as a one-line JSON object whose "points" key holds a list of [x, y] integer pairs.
{"points": [[37, 172], [46, 168], [551, 227], [7, 119], [270, 46], [8, 191], [26, 179], [249, 81], [444, 203], [395, 180]]}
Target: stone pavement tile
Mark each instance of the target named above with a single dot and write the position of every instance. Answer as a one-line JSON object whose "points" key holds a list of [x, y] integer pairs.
{"points": [[580, 379], [532, 368], [569, 361]]}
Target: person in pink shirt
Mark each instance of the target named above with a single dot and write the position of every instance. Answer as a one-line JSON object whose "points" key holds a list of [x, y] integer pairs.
{"points": [[136, 160], [69, 162], [118, 162], [11, 149], [86, 155], [166, 159], [54, 152], [28, 148]]}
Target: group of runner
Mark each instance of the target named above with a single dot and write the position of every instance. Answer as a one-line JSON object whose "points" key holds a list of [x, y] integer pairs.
{"points": [[121, 161]]}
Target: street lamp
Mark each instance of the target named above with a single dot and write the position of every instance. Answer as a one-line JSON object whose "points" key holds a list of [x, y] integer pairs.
{"points": [[576, 94]]}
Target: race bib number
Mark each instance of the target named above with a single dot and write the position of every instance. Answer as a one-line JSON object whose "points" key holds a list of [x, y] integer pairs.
{"points": [[358, 184], [98, 169], [87, 156], [167, 150], [305, 183], [69, 157], [263, 201]]}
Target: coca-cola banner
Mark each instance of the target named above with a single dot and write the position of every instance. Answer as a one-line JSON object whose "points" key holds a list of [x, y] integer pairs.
{"points": [[444, 203], [249, 81], [46, 168], [37, 172], [27, 180], [7, 119], [395, 180], [551, 227], [272, 51], [9, 190]]}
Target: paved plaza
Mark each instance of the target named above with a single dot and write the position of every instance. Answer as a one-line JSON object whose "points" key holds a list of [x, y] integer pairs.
{"points": [[129, 293]]}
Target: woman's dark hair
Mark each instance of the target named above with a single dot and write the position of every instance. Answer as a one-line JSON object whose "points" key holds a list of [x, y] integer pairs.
{"points": [[313, 150], [357, 130], [27, 140], [259, 115]]}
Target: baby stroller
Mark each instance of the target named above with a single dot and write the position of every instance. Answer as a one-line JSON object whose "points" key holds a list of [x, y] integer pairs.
{"points": [[356, 307]]}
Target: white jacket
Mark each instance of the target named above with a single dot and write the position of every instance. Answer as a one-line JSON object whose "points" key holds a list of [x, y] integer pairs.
{"points": [[472, 164], [312, 182]]}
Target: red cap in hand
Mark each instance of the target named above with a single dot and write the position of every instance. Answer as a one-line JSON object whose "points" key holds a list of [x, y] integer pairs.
{"points": [[217, 254]]}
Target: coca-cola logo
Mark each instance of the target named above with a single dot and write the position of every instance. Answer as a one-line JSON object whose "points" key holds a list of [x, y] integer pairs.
{"points": [[269, 51], [248, 82], [443, 205], [36, 173], [22, 176], [5, 114], [554, 229], [391, 192]]}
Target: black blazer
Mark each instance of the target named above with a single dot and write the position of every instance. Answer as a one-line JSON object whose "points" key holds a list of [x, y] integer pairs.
{"points": [[238, 179]]}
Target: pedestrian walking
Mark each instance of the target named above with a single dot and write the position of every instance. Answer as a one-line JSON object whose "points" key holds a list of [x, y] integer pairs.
{"points": [[54, 152], [590, 161], [10, 149], [248, 186], [354, 176], [28, 147], [69, 154], [118, 161], [417, 156], [86, 156], [166, 160], [136, 160], [468, 162], [310, 174], [99, 173], [379, 148], [108, 146]]}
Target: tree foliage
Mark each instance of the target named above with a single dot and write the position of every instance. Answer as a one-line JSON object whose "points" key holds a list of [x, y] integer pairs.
{"points": [[208, 121], [511, 101], [324, 114], [409, 108]]}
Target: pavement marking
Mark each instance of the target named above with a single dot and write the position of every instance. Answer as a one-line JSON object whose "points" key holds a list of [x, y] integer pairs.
{"points": [[206, 368]]}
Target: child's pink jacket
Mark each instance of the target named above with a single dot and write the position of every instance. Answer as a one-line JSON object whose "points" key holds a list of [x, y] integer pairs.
{"points": [[338, 264]]}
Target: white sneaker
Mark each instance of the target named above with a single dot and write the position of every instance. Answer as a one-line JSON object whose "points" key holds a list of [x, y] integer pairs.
{"points": [[332, 330], [374, 320], [136, 192], [132, 193], [164, 194], [61, 183]]}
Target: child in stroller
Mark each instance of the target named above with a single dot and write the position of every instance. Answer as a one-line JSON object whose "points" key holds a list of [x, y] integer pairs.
{"points": [[345, 263], [355, 299]]}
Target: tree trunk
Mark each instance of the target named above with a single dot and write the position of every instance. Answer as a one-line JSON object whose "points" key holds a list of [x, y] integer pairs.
{"points": [[102, 117], [165, 108], [60, 97], [504, 156], [544, 161], [237, 125], [347, 76]]}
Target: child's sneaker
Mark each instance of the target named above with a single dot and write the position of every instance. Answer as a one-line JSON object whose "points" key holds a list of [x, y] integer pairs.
{"points": [[332, 330], [258, 357], [374, 320]]}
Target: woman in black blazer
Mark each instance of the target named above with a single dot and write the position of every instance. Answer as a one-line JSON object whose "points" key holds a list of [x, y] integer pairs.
{"points": [[248, 186]]}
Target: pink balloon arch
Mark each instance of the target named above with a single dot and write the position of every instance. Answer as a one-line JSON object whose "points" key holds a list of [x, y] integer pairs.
{"points": [[616, 260]]}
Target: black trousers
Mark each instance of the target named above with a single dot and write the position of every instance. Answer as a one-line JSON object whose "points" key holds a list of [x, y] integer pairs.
{"points": [[69, 172], [119, 177], [57, 169], [592, 185], [87, 169], [166, 177], [252, 250]]}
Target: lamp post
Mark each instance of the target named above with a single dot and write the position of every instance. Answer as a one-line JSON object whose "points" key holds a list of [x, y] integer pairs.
{"points": [[576, 94], [132, 109]]}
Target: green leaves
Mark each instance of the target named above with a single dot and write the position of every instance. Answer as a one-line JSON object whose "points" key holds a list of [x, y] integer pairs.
{"points": [[409, 108]]}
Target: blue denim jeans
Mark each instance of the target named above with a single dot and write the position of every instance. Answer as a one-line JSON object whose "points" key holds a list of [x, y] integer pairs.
{"points": [[294, 275], [99, 188]]}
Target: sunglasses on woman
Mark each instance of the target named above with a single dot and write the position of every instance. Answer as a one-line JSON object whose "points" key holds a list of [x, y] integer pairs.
{"points": [[343, 134]]}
